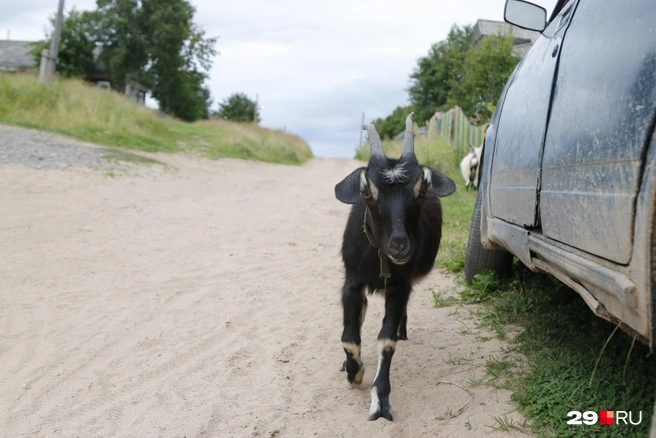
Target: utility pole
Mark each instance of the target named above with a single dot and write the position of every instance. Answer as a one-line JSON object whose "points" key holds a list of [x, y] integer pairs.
{"points": [[257, 97], [361, 125], [47, 71]]}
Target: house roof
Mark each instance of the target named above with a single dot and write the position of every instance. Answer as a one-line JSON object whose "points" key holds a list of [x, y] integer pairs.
{"points": [[15, 55], [490, 27]]}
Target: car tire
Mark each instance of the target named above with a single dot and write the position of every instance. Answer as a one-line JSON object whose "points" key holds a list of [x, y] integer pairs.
{"points": [[477, 258]]}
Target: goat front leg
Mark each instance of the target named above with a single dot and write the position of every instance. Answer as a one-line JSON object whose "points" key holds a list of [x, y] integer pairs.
{"points": [[354, 303], [395, 303], [403, 326]]}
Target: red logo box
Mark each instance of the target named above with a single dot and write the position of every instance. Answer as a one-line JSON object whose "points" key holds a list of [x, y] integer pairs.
{"points": [[607, 417]]}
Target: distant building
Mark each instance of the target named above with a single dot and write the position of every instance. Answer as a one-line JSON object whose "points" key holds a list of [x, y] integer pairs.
{"points": [[522, 39], [15, 56]]}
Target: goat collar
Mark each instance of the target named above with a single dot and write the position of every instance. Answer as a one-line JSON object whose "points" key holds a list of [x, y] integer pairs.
{"points": [[384, 263]]}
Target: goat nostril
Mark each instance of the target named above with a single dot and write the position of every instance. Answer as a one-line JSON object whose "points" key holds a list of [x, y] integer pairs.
{"points": [[398, 245]]}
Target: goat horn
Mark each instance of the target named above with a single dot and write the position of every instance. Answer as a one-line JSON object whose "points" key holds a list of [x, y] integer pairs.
{"points": [[409, 137], [374, 140]]}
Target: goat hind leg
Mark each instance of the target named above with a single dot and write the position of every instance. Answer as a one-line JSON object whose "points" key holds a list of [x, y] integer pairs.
{"points": [[354, 303]]}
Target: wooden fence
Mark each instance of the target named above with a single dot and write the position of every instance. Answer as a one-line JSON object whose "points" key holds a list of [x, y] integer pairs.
{"points": [[454, 126]]}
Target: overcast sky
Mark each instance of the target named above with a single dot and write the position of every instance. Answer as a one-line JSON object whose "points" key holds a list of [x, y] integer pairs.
{"points": [[316, 65]]}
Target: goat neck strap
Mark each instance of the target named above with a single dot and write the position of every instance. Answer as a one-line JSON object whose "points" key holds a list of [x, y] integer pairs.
{"points": [[384, 263]]}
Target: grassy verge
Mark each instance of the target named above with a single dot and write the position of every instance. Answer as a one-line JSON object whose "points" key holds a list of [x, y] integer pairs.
{"points": [[79, 110], [555, 361]]}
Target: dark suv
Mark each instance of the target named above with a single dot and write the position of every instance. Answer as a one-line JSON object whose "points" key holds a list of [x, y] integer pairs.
{"points": [[568, 180]]}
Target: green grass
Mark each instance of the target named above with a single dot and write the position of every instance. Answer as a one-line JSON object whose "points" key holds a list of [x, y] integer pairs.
{"points": [[555, 340], [505, 424], [441, 300], [551, 364], [562, 340], [77, 109]]}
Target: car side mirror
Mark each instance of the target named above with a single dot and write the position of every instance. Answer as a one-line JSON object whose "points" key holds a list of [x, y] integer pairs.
{"points": [[525, 15]]}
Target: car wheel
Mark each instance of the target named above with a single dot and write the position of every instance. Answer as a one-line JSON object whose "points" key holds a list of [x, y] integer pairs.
{"points": [[478, 258]]}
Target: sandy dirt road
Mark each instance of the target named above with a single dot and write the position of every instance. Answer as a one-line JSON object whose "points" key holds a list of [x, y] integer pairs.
{"points": [[203, 300]]}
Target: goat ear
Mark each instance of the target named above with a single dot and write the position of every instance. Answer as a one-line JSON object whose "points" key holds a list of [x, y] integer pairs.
{"points": [[441, 184], [348, 190]]}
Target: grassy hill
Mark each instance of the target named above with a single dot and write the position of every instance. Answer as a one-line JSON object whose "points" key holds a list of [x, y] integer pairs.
{"points": [[80, 110]]}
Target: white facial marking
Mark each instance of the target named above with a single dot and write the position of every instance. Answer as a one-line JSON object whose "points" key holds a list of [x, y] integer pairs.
{"points": [[417, 187], [363, 181], [373, 189], [395, 174]]}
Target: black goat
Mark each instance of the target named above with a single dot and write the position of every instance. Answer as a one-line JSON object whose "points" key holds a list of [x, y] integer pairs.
{"points": [[391, 240]]}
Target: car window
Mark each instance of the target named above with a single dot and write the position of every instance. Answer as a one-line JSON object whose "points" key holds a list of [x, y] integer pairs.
{"points": [[560, 4], [559, 18], [548, 5]]}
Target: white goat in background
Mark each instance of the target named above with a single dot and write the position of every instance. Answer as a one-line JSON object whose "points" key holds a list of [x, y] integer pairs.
{"points": [[469, 167]]}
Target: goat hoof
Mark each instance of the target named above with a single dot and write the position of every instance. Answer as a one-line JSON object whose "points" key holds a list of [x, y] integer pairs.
{"points": [[359, 376], [343, 367], [355, 380], [380, 407], [402, 337], [385, 412]]}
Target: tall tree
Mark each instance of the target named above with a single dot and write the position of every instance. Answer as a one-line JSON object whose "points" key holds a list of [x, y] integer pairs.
{"points": [[152, 42], [125, 49], [437, 72], [238, 108], [180, 55], [487, 69], [393, 124]]}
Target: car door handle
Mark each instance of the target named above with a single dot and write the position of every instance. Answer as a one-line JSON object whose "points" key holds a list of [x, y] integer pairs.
{"points": [[554, 52]]}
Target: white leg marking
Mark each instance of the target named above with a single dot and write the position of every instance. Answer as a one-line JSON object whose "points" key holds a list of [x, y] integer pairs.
{"points": [[383, 345], [375, 403], [359, 375], [354, 349]]}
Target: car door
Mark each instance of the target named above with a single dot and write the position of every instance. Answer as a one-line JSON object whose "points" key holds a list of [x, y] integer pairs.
{"points": [[601, 119], [521, 128]]}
